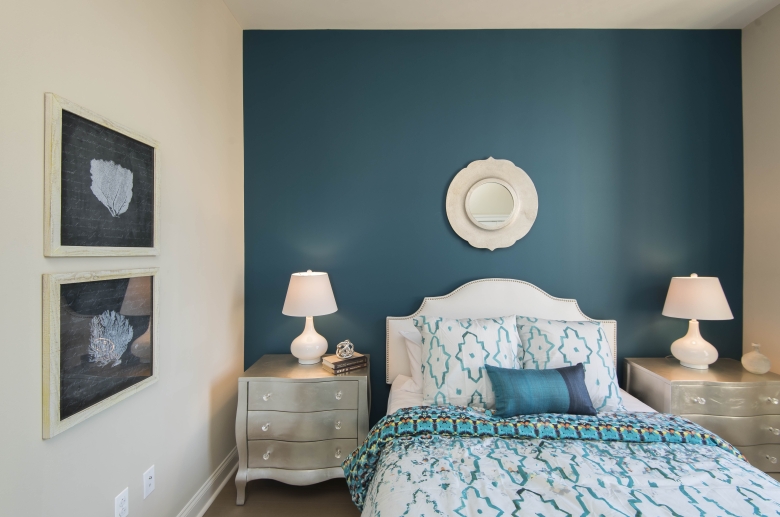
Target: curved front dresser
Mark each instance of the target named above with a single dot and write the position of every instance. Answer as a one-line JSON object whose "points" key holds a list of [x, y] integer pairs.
{"points": [[297, 423]]}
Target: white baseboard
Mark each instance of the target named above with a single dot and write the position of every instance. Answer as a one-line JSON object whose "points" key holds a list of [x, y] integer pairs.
{"points": [[203, 498]]}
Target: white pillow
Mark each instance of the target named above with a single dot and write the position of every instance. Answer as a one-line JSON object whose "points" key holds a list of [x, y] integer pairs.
{"points": [[454, 355], [413, 341], [554, 344]]}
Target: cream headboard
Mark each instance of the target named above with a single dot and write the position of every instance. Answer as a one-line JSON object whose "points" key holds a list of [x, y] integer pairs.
{"points": [[482, 299]]}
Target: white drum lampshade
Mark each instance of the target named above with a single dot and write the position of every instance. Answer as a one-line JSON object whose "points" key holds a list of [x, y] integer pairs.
{"points": [[696, 298], [309, 294]]}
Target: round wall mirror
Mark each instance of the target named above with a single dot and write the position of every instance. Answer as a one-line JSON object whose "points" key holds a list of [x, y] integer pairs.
{"points": [[490, 204]]}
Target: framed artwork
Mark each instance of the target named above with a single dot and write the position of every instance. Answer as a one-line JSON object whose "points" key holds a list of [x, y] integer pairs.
{"points": [[101, 187], [99, 342]]}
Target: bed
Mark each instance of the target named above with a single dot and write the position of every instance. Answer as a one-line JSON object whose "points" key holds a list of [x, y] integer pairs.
{"points": [[456, 460]]}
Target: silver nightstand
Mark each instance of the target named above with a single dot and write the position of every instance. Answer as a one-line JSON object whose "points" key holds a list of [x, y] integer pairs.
{"points": [[740, 407], [297, 423]]}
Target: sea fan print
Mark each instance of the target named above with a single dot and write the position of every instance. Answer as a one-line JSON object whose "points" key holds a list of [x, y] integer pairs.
{"points": [[112, 184], [109, 335]]}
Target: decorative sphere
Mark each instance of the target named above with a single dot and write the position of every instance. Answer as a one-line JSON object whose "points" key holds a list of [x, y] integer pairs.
{"points": [[345, 349]]}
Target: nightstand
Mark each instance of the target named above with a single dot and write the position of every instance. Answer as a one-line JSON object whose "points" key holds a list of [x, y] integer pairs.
{"points": [[740, 407], [297, 423]]}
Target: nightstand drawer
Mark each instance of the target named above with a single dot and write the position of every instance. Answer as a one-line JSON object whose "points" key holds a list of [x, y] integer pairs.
{"points": [[741, 431], [302, 396], [763, 457], [301, 427], [299, 455], [727, 400]]}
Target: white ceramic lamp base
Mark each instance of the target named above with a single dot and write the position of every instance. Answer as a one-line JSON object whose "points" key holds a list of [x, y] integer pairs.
{"points": [[309, 347], [694, 351]]}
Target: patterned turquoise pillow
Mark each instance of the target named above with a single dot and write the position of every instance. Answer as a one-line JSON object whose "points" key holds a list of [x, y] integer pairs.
{"points": [[554, 344], [454, 355], [529, 392]]}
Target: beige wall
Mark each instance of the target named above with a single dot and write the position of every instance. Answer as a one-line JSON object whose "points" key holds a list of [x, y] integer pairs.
{"points": [[172, 70], [761, 105]]}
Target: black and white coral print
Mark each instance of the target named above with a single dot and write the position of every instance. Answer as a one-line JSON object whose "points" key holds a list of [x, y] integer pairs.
{"points": [[107, 186], [104, 340]]}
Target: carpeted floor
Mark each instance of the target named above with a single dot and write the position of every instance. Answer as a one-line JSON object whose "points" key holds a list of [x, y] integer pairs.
{"points": [[265, 497]]}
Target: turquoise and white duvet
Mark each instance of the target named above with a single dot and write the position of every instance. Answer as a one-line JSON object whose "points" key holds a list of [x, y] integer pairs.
{"points": [[428, 461]]}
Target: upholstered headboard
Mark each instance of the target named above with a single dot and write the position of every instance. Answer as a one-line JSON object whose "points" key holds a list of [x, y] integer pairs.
{"points": [[481, 299]]}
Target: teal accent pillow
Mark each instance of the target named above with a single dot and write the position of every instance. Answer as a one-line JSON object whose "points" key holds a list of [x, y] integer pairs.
{"points": [[454, 355], [529, 392], [554, 344]]}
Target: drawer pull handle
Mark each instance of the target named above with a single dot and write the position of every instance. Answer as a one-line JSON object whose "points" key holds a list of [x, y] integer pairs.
{"points": [[774, 431], [267, 455], [266, 397], [338, 453], [339, 395], [773, 400], [338, 426], [699, 400], [771, 459], [266, 426]]}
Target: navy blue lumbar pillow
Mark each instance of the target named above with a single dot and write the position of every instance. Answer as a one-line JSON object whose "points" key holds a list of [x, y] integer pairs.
{"points": [[528, 392]]}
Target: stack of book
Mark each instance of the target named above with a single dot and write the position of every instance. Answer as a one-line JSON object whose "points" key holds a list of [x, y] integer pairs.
{"points": [[336, 365]]}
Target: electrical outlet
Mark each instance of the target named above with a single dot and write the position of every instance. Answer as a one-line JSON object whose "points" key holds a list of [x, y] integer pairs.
{"points": [[148, 481], [122, 504]]}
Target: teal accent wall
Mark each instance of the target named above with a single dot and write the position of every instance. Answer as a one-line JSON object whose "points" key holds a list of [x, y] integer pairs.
{"points": [[632, 138]]}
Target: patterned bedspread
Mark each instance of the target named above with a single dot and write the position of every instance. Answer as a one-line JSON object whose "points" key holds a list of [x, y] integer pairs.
{"points": [[427, 461]]}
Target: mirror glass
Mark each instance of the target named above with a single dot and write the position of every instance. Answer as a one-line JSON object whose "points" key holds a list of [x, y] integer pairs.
{"points": [[490, 205]]}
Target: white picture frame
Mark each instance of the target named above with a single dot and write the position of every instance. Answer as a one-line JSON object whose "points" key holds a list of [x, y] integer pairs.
{"points": [[53, 170], [53, 422]]}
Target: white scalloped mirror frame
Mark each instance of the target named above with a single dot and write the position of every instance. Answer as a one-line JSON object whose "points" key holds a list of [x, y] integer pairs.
{"points": [[519, 184]]}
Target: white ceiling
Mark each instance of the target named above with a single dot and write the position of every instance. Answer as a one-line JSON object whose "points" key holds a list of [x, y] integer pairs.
{"points": [[497, 14]]}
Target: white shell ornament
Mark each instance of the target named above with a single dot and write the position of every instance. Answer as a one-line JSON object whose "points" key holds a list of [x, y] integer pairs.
{"points": [[112, 184], [755, 361], [345, 349]]}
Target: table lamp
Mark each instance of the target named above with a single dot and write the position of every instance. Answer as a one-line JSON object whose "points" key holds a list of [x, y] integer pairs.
{"points": [[309, 294], [696, 298]]}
